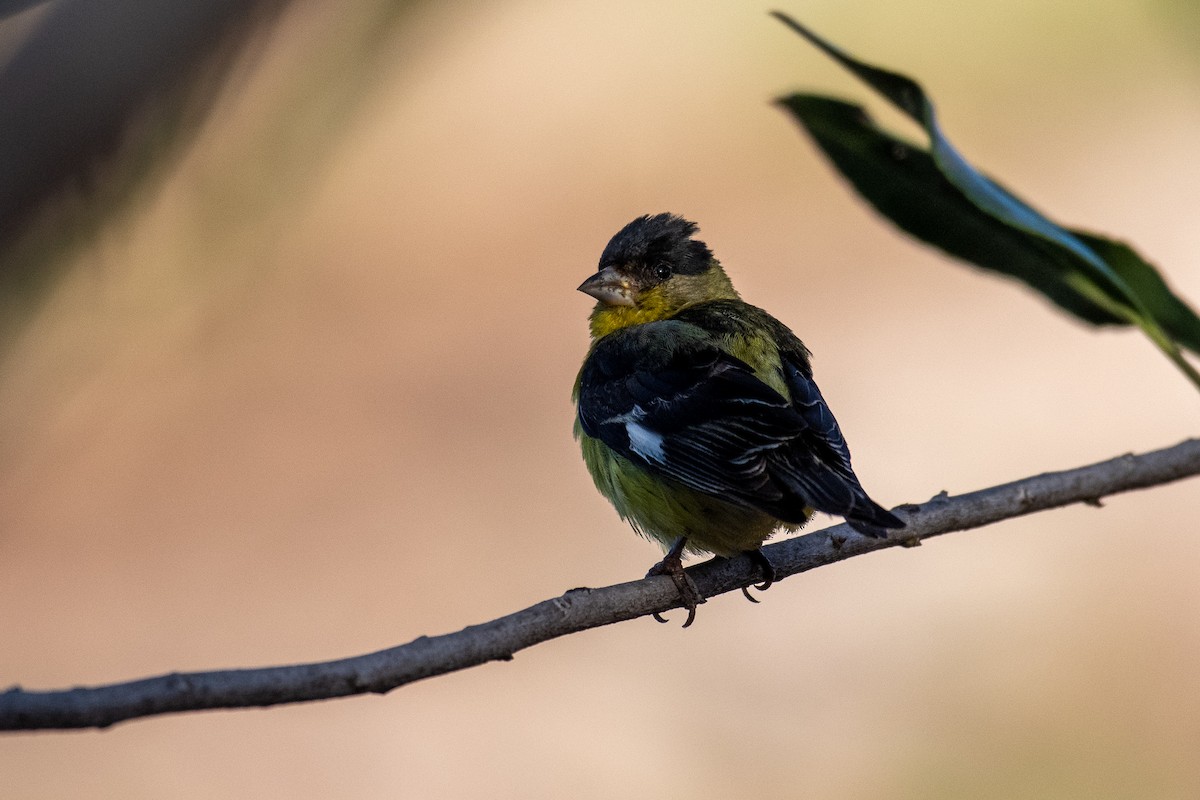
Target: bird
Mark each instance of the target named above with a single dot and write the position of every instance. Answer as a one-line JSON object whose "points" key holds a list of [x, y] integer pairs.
{"points": [[697, 413]]}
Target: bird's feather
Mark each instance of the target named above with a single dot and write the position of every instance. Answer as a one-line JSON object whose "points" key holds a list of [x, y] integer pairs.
{"points": [[667, 397]]}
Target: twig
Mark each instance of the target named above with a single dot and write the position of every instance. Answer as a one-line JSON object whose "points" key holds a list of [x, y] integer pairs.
{"points": [[577, 610]]}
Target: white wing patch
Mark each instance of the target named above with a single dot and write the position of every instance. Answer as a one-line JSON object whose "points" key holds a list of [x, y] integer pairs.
{"points": [[646, 443]]}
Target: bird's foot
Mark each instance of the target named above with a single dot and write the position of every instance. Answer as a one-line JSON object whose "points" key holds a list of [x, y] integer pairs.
{"points": [[672, 566], [768, 570]]}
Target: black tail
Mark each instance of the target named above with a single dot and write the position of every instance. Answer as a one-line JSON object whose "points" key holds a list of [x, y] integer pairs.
{"points": [[873, 520]]}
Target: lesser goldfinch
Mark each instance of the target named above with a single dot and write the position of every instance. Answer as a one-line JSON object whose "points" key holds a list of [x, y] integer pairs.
{"points": [[697, 412]]}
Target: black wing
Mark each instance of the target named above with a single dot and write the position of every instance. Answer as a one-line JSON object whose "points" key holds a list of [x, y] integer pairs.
{"points": [[682, 408], [664, 397], [818, 462]]}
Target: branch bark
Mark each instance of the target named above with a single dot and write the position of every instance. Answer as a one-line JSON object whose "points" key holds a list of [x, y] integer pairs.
{"points": [[577, 610]]}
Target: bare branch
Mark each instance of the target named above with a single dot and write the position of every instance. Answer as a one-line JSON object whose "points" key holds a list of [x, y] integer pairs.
{"points": [[577, 610]]}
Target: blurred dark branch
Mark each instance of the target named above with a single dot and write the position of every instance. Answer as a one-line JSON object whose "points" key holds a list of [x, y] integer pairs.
{"points": [[73, 87], [10, 7], [577, 610], [96, 101]]}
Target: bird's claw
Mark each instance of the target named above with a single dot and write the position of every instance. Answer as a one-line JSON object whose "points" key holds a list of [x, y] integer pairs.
{"points": [[770, 574], [672, 566], [691, 617]]}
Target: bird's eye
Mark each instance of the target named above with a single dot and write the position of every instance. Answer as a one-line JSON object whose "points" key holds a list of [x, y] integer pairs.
{"points": [[662, 271]]}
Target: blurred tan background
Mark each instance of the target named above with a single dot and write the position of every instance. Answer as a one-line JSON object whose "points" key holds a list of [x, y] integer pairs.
{"points": [[308, 396]]}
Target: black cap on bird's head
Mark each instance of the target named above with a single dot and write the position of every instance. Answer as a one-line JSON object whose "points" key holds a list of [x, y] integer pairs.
{"points": [[659, 239], [645, 253]]}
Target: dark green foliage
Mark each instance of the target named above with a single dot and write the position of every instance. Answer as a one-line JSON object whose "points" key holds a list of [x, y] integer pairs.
{"points": [[938, 197]]}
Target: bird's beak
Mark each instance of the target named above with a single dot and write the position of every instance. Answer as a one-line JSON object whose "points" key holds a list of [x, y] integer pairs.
{"points": [[609, 287]]}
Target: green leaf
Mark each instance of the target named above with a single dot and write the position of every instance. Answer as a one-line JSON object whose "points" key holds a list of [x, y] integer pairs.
{"points": [[1172, 313], [904, 184], [937, 196]]}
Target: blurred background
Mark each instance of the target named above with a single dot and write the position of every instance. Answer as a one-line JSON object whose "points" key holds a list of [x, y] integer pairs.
{"points": [[290, 328]]}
